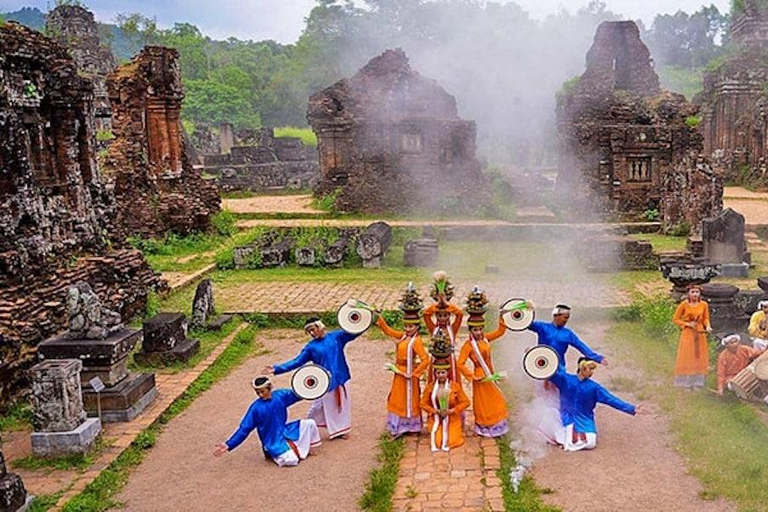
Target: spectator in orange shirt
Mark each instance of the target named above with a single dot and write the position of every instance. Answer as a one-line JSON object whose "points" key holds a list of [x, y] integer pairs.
{"points": [[732, 360]]}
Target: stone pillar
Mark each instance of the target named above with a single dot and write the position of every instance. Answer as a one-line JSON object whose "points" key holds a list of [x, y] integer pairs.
{"points": [[226, 138], [13, 495], [724, 243], [725, 315], [61, 425]]}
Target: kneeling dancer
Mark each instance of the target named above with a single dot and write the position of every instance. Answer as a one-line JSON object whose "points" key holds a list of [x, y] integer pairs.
{"points": [[334, 410], [488, 401], [443, 400], [403, 411], [579, 395], [284, 443]]}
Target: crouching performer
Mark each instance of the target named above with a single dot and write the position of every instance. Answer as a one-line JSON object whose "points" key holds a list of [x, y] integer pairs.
{"points": [[444, 400], [334, 410], [285, 443], [579, 395]]}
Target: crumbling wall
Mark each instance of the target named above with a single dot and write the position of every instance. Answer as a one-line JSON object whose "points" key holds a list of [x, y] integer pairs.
{"points": [[260, 161], [156, 187], [56, 216], [390, 140], [74, 28], [691, 192], [621, 133]]}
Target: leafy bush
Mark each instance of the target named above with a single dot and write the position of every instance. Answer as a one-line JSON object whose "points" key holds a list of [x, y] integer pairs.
{"points": [[105, 135], [682, 229], [224, 222], [326, 202], [656, 315], [651, 215], [693, 121], [153, 304]]}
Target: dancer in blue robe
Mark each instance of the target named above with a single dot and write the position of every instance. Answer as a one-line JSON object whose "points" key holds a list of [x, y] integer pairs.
{"points": [[334, 410], [555, 334], [285, 443]]}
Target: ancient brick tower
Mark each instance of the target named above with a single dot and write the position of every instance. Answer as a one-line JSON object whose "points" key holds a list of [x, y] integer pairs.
{"points": [[391, 140], [157, 189], [734, 102], [626, 142], [56, 216]]}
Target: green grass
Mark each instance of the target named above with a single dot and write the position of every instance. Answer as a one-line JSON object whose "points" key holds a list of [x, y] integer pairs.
{"points": [[45, 502], [306, 135], [723, 440], [100, 494], [528, 496], [382, 481], [17, 416], [663, 242], [76, 461], [209, 340]]}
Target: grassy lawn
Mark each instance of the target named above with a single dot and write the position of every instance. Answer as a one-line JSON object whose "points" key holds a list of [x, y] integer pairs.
{"points": [[723, 440], [663, 242]]}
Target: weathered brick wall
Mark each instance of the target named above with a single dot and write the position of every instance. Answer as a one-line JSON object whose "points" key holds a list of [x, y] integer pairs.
{"points": [[156, 187], [56, 215]]}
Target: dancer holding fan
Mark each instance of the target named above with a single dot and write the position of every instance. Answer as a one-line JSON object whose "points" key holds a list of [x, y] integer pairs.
{"points": [[489, 405], [403, 410]]}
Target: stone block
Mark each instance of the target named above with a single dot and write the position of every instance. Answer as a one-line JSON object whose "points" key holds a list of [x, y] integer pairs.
{"points": [[163, 332], [13, 495], [56, 444], [56, 398], [219, 322], [109, 375], [734, 269], [420, 252], [182, 352], [124, 401], [93, 353], [723, 237]]}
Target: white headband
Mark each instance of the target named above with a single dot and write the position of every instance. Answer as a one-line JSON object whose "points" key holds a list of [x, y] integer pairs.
{"points": [[560, 311], [762, 304], [732, 337], [317, 323]]}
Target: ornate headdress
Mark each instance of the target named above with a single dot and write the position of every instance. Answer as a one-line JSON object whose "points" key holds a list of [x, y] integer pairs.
{"points": [[440, 345], [441, 287], [477, 305], [411, 305]]}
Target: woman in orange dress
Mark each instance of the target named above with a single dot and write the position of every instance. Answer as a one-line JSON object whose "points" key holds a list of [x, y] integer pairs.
{"points": [[444, 401], [403, 411], [442, 310], [488, 402], [692, 316]]}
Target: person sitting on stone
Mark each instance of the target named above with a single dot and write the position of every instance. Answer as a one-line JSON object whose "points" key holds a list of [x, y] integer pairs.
{"points": [[285, 443], [758, 326], [732, 360]]}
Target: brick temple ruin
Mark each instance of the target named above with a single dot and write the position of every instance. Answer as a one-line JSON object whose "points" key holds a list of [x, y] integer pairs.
{"points": [[74, 28], [256, 160], [391, 140], [156, 187], [631, 147], [56, 216], [734, 102]]}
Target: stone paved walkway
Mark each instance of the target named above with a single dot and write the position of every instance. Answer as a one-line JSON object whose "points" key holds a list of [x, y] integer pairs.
{"points": [[463, 479], [118, 436], [288, 297]]}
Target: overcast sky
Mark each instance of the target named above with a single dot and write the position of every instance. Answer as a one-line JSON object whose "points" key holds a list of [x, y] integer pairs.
{"points": [[283, 20]]}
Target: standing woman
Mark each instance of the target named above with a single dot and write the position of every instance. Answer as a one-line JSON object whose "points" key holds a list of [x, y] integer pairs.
{"points": [[488, 401], [403, 410], [442, 292], [692, 316]]}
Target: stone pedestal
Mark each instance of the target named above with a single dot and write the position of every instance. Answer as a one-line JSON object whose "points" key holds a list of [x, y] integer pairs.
{"points": [[684, 272], [734, 269], [127, 394], [726, 316], [13, 495], [165, 340], [420, 252], [61, 427]]}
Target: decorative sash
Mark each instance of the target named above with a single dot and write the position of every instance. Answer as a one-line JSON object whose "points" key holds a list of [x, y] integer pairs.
{"points": [[436, 423], [409, 380], [483, 364]]}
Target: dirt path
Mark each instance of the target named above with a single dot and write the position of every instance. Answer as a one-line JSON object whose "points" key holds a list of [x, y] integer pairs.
{"points": [[635, 465], [180, 473], [271, 204]]}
